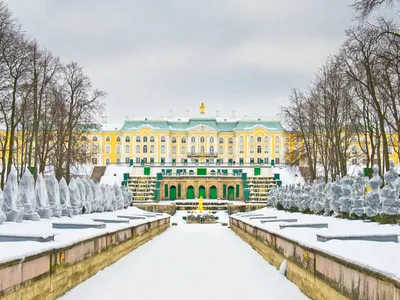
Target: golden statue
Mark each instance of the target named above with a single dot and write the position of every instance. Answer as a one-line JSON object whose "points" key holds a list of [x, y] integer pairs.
{"points": [[202, 109], [200, 206]]}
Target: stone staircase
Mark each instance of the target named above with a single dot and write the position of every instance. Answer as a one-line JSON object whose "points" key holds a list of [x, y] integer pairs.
{"points": [[143, 188], [259, 188]]}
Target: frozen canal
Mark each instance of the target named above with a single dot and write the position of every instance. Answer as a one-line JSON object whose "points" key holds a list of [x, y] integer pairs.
{"points": [[189, 262]]}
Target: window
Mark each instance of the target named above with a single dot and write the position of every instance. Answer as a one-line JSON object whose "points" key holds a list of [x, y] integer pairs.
{"points": [[266, 139], [252, 139], [230, 150], [127, 149], [277, 160], [138, 160], [266, 160], [390, 150], [94, 139], [251, 149], [277, 139], [163, 139], [354, 161], [108, 139], [286, 149], [95, 148], [266, 149], [107, 161], [83, 138], [211, 140], [241, 149], [173, 150], [127, 139], [108, 149], [354, 140], [221, 140], [287, 140], [162, 149], [193, 149], [230, 141], [183, 150], [127, 160], [259, 139], [286, 161], [138, 139], [354, 150], [94, 160], [221, 150], [174, 140], [118, 138], [211, 149], [202, 149], [152, 139], [145, 139], [118, 149], [202, 139], [241, 139], [193, 139], [137, 149], [183, 140], [297, 148], [144, 148], [118, 160], [151, 149], [259, 150], [277, 149]]}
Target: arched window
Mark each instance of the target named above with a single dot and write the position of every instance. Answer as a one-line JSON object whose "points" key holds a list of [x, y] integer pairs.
{"points": [[183, 149], [163, 139], [108, 139], [259, 139], [277, 139], [241, 139], [221, 150], [127, 139], [145, 139], [118, 149], [193, 139], [108, 149], [137, 149], [251, 149], [151, 149], [183, 140], [202, 149], [95, 148], [107, 161], [152, 139], [118, 138], [354, 150], [94, 139], [266, 149], [230, 150], [202, 139], [277, 149], [265, 139], [144, 148], [221, 140], [174, 140], [259, 150], [83, 138], [138, 139], [241, 149], [252, 139], [211, 149], [211, 140], [286, 149], [162, 149], [193, 149], [173, 150], [230, 141], [127, 149]]}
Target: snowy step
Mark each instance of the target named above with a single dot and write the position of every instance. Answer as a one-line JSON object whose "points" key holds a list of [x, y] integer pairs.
{"points": [[309, 225], [263, 218], [250, 215], [278, 220], [145, 215], [70, 225], [360, 237], [110, 220], [132, 217], [4, 237]]}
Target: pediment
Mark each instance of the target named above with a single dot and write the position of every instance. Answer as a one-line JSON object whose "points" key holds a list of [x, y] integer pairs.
{"points": [[202, 127]]}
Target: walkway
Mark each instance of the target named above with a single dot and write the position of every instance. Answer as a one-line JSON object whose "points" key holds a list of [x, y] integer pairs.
{"points": [[190, 262]]}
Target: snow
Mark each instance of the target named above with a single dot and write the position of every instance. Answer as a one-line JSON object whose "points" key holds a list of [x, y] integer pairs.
{"points": [[378, 256], [110, 179], [189, 262], [111, 126], [289, 175], [63, 237]]}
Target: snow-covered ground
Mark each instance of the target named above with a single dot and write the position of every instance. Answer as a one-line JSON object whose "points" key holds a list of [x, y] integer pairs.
{"points": [[380, 256], [63, 237], [206, 261], [114, 174]]}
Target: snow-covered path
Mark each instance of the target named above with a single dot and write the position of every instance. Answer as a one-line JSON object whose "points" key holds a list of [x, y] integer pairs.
{"points": [[189, 262]]}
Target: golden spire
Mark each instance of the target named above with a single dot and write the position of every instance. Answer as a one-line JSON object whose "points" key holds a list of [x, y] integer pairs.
{"points": [[202, 109]]}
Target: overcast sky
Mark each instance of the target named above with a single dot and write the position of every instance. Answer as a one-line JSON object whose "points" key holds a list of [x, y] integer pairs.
{"points": [[153, 56]]}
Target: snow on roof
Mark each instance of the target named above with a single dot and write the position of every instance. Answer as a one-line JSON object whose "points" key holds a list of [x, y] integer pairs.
{"points": [[111, 126]]}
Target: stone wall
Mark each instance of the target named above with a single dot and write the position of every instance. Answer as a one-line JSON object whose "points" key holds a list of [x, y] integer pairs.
{"points": [[234, 208], [157, 208], [50, 274], [318, 275]]}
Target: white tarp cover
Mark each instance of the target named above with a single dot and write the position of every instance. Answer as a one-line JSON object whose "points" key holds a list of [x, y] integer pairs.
{"points": [[89, 197], [75, 197], [53, 194], [65, 201], [98, 196], [118, 196], [82, 193], [26, 195], [42, 200], [107, 197], [12, 207], [2, 214]]}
